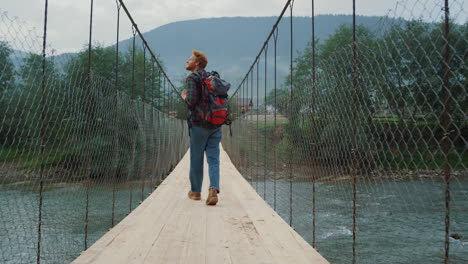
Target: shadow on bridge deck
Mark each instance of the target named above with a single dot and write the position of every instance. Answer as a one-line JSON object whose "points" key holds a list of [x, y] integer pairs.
{"points": [[169, 228]]}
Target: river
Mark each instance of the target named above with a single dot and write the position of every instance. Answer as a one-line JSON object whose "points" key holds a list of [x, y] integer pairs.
{"points": [[397, 222]]}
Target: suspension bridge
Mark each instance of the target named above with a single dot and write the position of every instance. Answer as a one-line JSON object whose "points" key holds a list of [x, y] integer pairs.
{"points": [[358, 155]]}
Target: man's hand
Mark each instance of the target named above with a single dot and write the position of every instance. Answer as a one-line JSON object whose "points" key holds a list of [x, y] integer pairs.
{"points": [[184, 94]]}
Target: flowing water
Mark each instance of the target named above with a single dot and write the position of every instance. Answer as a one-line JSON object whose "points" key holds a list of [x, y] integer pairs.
{"points": [[397, 222], [63, 220]]}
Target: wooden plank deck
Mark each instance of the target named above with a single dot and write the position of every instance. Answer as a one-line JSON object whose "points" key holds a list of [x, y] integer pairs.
{"points": [[170, 228]]}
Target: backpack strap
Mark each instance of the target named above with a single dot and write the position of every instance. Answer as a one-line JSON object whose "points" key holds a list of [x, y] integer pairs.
{"points": [[199, 80], [202, 79], [191, 113], [199, 74]]}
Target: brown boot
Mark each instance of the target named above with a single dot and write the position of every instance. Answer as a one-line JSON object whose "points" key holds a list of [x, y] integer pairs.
{"points": [[194, 195], [212, 198]]}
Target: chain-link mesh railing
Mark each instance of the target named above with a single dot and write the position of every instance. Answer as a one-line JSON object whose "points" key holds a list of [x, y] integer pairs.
{"points": [[363, 147], [84, 138]]}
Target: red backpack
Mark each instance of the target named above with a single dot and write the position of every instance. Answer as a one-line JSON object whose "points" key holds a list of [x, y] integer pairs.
{"points": [[213, 107]]}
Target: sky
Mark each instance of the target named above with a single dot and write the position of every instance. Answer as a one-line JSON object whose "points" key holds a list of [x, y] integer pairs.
{"points": [[68, 20]]}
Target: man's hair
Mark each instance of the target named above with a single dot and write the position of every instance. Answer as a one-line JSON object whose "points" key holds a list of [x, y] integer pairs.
{"points": [[201, 58]]}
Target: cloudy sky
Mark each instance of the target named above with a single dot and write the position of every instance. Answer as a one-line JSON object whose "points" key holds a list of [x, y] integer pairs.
{"points": [[69, 19]]}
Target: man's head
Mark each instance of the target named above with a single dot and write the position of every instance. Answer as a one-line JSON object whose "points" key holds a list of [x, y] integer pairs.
{"points": [[197, 61]]}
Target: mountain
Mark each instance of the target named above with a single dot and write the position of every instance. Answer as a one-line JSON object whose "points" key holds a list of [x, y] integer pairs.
{"points": [[232, 43]]}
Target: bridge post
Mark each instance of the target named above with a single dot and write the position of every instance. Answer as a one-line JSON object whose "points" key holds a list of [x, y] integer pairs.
{"points": [[153, 167], [144, 147], [133, 100], [247, 155], [239, 112], [313, 120], [354, 127], [275, 38], [159, 129], [116, 105], [265, 126], [447, 123], [251, 134], [293, 119], [258, 108], [42, 136], [88, 131]]}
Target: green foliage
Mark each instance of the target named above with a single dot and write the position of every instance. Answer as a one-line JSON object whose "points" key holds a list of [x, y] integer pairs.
{"points": [[84, 121], [6, 68], [281, 96], [6, 84], [137, 75], [181, 109], [234, 111], [398, 76], [331, 98], [34, 98], [410, 69]]}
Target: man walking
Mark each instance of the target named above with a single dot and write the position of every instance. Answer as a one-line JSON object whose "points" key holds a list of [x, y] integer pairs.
{"points": [[204, 136]]}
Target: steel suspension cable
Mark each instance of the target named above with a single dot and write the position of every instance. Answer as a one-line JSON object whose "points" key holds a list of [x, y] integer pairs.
{"points": [[146, 44], [264, 44]]}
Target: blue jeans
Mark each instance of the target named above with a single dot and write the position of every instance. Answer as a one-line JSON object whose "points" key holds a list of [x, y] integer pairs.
{"points": [[204, 140]]}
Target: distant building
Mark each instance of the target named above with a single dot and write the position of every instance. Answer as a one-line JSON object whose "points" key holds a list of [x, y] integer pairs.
{"points": [[245, 105]]}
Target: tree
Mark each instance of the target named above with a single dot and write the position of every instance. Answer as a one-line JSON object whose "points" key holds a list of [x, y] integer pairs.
{"points": [[281, 99], [458, 79], [404, 67], [6, 68], [50, 98], [6, 81], [30, 72], [325, 128], [108, 118]]}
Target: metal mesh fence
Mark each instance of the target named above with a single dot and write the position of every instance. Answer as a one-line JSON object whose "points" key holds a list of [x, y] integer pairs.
{"points": [[363, 147], [79, 148]]}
